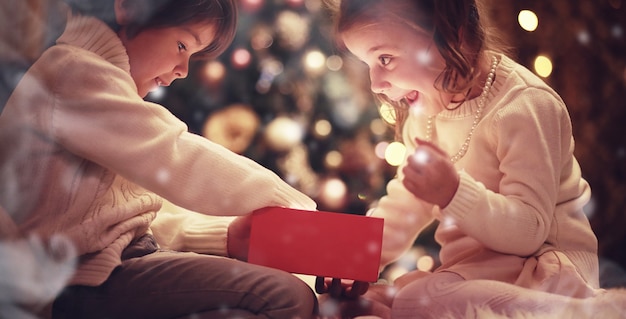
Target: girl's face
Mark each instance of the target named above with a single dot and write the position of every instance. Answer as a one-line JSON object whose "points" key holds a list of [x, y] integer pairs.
{"points": [[160, 56], [403, 63]]}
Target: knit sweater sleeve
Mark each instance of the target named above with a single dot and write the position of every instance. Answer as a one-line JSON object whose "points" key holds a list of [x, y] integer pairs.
{"points": [[179, 229], [99, 116], [405, 216], [531, 137]]}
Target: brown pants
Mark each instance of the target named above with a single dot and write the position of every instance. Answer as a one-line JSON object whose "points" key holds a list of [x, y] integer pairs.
{"points": [[166, 284]]}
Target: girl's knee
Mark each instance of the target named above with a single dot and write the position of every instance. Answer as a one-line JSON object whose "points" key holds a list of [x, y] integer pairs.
{"points": [[426, 296]]}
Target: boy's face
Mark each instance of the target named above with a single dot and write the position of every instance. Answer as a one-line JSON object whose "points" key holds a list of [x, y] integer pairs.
{"points": [[160, 56]]}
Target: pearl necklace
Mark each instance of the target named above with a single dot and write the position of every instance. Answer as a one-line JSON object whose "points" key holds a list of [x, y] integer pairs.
{"points": [[477, 116]]}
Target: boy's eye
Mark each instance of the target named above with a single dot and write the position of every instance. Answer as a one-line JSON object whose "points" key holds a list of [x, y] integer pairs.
{"points": [[181, 46], [384, 60]]}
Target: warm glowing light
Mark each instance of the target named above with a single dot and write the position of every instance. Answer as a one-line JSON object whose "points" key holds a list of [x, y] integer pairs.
{"points": [[314, 60], [214, 71], [334, 63], [528, 20], [394, 154], [251, 5], [387, 113], [241, 58], [543, 66], [283, 133], [261, 39], [380, 148], [333, 159], [378, 127], [322, 128], [425, 263], [395, 271], [333, 193], [295, 3]]}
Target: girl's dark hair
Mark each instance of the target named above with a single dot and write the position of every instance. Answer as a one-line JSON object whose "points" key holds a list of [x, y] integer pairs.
{"points": [[455, 26], [149, 14]]}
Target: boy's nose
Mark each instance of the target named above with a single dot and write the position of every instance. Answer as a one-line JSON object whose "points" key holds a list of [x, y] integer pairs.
{"points": [[182, 70]]}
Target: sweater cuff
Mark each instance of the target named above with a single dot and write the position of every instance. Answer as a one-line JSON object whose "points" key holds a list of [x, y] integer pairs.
{"points": [[207, 236], [464, 199], [295, 198]]}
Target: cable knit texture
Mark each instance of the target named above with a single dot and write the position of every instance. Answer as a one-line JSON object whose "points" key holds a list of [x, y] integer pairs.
{"points": [[520, 195], [82, 154]]}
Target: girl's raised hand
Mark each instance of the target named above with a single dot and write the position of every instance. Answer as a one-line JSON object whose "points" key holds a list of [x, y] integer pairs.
{"points": [[430, 175]]}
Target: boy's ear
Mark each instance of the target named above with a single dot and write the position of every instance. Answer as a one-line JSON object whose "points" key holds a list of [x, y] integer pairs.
{"points": [[122, 14]]}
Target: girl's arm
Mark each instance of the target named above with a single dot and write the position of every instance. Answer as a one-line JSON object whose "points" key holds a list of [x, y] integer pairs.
{"points": [[405, 218], [533, 145]]}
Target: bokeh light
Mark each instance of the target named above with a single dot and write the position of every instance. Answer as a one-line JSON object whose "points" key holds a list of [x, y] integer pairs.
{"points": [[543, 66], [378, 127], [387, 113], [395, 153], [261, 38], [283, 133], [333, 193], [380, 149], [241, 58], [251, 5], [334, 63], [213, 72], [322, 128], [333, 159], [425, 263], [314, 61], [528, 20]]}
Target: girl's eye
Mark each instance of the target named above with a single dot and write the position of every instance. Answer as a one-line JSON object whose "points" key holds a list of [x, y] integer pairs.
{"points": [[181, 47], [384, 60]]}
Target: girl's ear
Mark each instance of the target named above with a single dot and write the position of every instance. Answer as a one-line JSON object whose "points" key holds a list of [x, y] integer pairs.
{"points": [[122, 14]]}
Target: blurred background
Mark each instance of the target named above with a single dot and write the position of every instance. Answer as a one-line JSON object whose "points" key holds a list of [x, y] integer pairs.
{"points": [[284, 96]]}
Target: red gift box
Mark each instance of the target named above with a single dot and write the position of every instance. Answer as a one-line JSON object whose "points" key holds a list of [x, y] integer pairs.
{"points": [[318, 243]]}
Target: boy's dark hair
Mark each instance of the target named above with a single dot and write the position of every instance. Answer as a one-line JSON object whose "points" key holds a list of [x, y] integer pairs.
{"points": [[149, 14]]}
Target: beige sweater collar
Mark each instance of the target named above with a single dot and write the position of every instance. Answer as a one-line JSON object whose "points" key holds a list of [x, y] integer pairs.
{"points": [[94, 35]]}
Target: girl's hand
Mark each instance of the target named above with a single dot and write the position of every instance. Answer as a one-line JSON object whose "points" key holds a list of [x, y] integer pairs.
{"points": [[430, 175]]}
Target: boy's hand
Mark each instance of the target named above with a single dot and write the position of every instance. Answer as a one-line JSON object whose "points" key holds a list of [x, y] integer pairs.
{"points": [[340, 288], [238, 238]]}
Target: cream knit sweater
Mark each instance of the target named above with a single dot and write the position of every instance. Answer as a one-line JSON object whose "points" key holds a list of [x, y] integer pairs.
{"points": [[521, 192], [82, 154]]}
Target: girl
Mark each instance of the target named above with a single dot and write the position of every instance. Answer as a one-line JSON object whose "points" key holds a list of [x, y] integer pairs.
{"points": [[490, 158], [82, 155]]}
